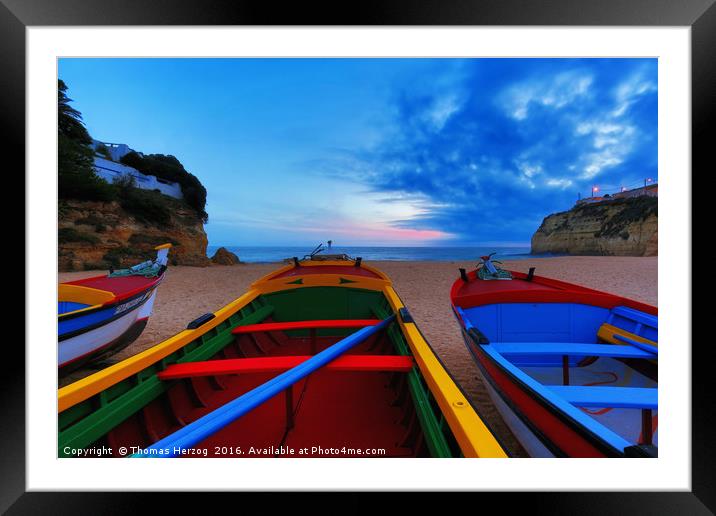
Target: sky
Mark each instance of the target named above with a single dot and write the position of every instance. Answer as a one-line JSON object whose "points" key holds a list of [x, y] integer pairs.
{"points": [[394, 152]]}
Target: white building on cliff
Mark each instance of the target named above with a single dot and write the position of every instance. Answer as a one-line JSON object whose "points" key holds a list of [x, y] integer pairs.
{"points": [[110, 169]]}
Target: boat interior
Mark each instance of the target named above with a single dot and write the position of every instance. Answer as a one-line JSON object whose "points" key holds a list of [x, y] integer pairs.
{"points": [[597, 364], [372, 401]]}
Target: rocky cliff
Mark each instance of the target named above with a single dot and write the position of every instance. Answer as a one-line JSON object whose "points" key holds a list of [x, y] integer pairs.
{"points": [[620, 227], [97, 235]]}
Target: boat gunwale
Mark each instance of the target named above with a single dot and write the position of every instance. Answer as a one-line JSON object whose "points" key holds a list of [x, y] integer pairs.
{"points": [[275, 275], [146, 295], [116, 299], [440, 381], [558, 292]]}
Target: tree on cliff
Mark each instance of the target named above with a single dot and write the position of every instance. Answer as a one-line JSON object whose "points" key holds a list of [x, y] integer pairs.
{"points": [[76, 177]]}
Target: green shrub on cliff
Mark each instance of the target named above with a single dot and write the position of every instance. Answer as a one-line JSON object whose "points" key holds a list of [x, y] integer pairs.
{"points": [[634, 209], [171, 169], [103, 151], [120, 256], [145, 205], [67, 235]]}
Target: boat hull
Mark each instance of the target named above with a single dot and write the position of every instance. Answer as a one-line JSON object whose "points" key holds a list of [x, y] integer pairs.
{"points": [[542, 429], [572, 371], [118, 328], [528, 439]]}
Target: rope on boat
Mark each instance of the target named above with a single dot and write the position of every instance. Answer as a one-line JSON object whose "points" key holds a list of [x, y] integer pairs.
{"points": [[152, 270], [487, 270], [202, 428]]}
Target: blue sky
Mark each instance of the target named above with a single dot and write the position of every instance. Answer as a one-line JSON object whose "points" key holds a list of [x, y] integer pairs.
{"points": [[380, 151]]}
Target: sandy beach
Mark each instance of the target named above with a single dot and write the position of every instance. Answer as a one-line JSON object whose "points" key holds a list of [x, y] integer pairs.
{"points": [[188, 292]]}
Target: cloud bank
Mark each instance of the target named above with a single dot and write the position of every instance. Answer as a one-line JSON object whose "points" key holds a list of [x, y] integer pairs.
{"points": [[489, 147]]}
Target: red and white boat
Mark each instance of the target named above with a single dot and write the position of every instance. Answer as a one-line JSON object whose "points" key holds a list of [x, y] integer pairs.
{"points": [[104, 314]]}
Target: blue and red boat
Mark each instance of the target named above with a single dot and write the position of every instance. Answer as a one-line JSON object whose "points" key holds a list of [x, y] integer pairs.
{"points": [[573, 371], [103, 314]]}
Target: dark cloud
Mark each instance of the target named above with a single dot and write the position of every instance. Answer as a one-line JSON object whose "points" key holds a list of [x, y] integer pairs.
{"points": [[494, 145]]}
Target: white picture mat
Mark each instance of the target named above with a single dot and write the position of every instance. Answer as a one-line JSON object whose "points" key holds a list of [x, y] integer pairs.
{"points": [[670, 471]]}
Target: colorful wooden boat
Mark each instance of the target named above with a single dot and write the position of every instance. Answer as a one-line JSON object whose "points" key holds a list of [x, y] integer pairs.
{"points": [[573, 371], [317, 359], [103, 314]]}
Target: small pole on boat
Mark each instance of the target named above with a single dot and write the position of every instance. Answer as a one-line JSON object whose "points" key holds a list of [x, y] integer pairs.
{"points": [[565, 370], [463, 275], [530, 274], [646, 429]]}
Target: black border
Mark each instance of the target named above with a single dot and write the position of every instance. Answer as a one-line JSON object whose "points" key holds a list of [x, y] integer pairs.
{"points": [[16, 15]]}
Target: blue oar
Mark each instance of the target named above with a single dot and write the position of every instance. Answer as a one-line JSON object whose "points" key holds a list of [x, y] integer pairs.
{"points": [[202, 428]]}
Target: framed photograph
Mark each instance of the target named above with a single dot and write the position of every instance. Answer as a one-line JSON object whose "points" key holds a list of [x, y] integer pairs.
{"points": [[287, 242]]}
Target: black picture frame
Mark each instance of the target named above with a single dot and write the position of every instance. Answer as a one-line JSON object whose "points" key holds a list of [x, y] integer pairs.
{"points": [[17, 15]]}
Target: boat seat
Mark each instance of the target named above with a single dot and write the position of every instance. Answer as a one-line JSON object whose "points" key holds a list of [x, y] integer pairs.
{"points": [[303, 325], [636, 315], [394, 363], [617, 397], [570, 349]]}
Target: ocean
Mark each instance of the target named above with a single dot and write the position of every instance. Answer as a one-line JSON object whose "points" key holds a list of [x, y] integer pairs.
{"points": [[277, 254]]}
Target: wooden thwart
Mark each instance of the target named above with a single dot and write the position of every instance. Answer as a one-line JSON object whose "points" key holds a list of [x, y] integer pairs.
{"points": [[305, 325], [388, 363], [312, 326], [603, 396]]}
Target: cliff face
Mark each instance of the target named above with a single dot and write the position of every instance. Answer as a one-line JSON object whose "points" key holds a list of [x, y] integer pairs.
{"points": [[619, 227], [97, 235]]}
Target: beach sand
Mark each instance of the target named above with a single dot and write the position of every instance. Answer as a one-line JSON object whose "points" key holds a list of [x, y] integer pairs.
{"points": [[188, 292]]}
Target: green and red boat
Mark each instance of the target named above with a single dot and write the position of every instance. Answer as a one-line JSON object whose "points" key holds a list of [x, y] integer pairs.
{"points": [[317, 359]]}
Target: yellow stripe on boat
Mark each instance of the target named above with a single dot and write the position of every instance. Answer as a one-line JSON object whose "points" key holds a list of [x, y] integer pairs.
{"points": [[319, 280], [473, 436], [93, 384], [82, 294], [272, 283]]}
